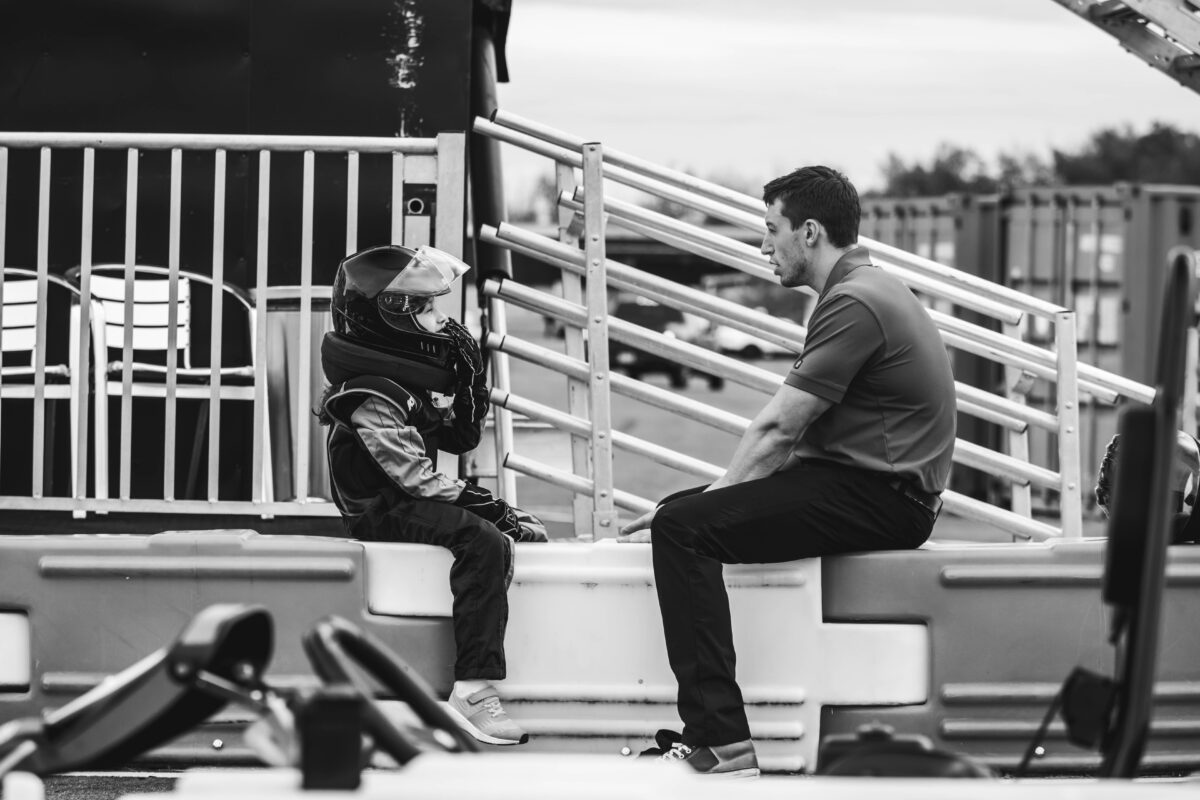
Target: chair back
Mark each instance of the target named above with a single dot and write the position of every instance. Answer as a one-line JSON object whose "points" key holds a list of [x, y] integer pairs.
{"points": [[19, 316], [150, 309], [18, 328]]}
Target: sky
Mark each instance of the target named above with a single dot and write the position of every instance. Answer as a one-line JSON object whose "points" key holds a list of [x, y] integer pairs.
{"points": [[754, 88]]}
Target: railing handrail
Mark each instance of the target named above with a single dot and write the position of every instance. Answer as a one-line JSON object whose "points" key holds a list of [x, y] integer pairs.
{"points": [[622, 210], [218, 141], [752, 221], [1019, 526], [1059, 366], [987, 406], [786, 334], [761, 380]]}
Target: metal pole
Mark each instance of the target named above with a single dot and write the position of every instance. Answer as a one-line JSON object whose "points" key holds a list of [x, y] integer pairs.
{"points": [[502, 428], [604, 516], [573, 343], [487, 176], [1070, 505]]}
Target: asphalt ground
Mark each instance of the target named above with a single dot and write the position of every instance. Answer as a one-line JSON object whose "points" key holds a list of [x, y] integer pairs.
{"points": [[106, 785]]}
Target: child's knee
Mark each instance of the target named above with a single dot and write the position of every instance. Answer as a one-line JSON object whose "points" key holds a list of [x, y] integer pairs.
{"points": [[486, 545]]}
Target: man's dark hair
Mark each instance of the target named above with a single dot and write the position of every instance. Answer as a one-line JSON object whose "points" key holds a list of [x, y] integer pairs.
{"points": [[819, 193]]}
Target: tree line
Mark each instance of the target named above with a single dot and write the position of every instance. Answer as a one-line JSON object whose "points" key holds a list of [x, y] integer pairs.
{"points": [[1163, 154]]}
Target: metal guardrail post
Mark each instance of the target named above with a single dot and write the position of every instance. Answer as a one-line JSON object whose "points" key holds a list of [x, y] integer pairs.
{"points": [[260, 489], [43, 269], [1067, 392], [604, 515], [81, 339], [216, 326], [131, 206], [502, 428], [449, 226], [1018, 441], [171, 408], [574, 346]]}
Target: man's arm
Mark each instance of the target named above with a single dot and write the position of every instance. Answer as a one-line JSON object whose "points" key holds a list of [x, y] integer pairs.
{"points": [[772, 437], [766, 446]]}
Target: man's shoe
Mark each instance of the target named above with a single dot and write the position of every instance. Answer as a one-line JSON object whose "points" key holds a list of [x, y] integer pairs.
{"points": [[735, 760], [482, 716]]}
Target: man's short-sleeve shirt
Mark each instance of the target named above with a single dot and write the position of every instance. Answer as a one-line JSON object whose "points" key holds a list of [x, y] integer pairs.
{"points": [[873, 351]]}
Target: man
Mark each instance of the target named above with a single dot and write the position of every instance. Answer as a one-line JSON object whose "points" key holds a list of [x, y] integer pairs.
{"points": [[406, 382], [850, 455]]}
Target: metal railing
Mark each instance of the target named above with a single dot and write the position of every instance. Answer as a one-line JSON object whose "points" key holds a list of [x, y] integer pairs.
{"points": [[582, 171], [433, 162], [588, 204]]}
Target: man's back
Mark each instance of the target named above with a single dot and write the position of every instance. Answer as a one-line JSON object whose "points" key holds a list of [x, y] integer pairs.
{"points": [[875, 353]]}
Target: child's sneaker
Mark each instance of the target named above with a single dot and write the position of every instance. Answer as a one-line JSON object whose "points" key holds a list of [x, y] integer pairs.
{"points": [[736, 760], [482, 716]]}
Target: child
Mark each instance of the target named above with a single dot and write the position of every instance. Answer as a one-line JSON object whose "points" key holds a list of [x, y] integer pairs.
{"points": [[408, 381]]}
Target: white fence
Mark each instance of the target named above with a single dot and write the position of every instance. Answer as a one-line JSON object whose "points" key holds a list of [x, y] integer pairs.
{"points": [[122, 312]]}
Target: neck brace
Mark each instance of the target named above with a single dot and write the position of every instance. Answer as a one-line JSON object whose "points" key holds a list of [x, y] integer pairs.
{"points": [[343, 358]]}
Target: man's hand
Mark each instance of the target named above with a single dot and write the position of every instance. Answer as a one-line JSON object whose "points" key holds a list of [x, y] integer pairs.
{"points": [[638, 531]]}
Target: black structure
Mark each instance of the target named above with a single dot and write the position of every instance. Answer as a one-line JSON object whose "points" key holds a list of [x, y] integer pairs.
{"points": [[220, 653], [314, 67], [1114, 713], [1135, 569], [300, 67]]}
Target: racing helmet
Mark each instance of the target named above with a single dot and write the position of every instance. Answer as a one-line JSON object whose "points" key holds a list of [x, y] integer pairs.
{"points": [[379, 290]]}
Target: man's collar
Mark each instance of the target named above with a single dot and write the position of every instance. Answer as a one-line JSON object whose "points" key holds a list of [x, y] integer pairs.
{"points": [[855, 257]]}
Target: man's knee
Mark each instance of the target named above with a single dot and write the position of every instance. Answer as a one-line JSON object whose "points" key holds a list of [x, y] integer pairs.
{"points": [[673, 523]]}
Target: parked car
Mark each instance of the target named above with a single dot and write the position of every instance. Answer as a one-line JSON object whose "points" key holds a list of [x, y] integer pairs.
{"points": [[765, 297], [666, 320], [736, 342]]}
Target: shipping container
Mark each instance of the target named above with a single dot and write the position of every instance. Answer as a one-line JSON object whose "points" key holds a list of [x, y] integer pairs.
{"points": [[959, 231], [1100, 250]]}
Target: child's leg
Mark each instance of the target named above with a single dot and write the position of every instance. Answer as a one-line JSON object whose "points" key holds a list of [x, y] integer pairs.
{"points": [[479, 577]]}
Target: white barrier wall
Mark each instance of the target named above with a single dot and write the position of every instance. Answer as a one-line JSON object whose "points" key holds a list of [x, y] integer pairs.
{"points": [[597, 679]]}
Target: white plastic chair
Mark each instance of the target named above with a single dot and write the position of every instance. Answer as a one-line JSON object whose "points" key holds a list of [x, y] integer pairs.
{"points": [[18, 334], [151, 334]]}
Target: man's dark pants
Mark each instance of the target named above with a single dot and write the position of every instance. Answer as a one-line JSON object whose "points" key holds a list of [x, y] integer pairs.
{"points": [[479, 576], [814, 509]]}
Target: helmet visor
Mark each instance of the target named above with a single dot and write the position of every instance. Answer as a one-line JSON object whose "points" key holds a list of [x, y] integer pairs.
{"points": [[429, 274]]}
